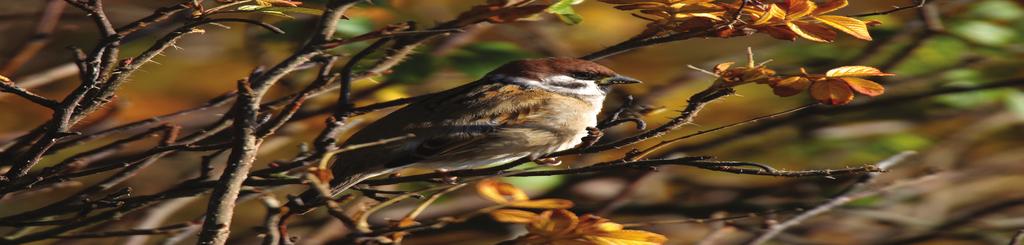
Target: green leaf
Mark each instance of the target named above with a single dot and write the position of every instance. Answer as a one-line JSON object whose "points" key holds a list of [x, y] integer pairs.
{"points": [[354, 27], [563, 9]]}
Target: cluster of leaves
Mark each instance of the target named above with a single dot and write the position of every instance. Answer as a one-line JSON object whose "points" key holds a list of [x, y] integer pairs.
{"points": [[556, 225], [786, 20], [835, 87]]}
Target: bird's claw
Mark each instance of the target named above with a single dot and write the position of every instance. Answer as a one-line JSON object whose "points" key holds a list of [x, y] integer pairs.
{"points": [[593, 135], [445, 177], [551, 161]]}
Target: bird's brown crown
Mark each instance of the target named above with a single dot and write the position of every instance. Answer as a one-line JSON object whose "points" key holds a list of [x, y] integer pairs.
{"points": [[538, 69]]}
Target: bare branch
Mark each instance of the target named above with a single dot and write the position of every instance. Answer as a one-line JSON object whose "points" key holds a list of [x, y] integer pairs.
{"points": [[839, 200], [917, 4], [155, 231], [220, 210], [6, 85]]}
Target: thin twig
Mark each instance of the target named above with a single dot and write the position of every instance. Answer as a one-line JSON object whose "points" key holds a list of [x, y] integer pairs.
{"points": [[839, 200], [271, 235], [6, 85], [665, 143], [917, 4], [154, 231]]}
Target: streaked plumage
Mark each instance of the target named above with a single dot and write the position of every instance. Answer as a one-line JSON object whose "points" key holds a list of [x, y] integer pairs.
{"points": [[525, 108]]}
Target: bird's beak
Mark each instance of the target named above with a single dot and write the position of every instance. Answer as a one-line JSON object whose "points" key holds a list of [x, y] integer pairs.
{"points": [[618, 79]]}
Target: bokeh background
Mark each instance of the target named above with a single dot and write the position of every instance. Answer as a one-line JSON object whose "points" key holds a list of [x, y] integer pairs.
{"points": [[972, 142]]}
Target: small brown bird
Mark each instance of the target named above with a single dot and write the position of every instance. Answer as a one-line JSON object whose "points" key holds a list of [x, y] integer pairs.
{"points": [[525, 108]]}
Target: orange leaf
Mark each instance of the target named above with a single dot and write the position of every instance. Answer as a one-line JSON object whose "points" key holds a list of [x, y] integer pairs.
{"points": [[855, 71], [719, 68], [831, 92], [864, 86], [796, 9], [830, 6], [790, 86], [779, 32], [554, 222], [854, 27], [500, 192], [631, 237], [713, 16], [542, 204], [813, 32], [773, 12], [513, 216]]}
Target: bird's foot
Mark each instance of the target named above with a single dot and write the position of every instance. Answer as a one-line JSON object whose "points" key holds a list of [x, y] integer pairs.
{"points": [[445, 177], [593, 135], [551, 161]]}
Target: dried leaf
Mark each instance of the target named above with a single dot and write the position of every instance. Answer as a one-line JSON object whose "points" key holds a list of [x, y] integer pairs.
{"points": [[829, 6], [790, 86], [554, 223], [864, 86], [513, 216], [832, 92], [628, 237], [779, 32], [796, 9], [542, 204], [773, 13], [813, 32], [856, 71], [719, 68], [500, 192], [854, 27]]}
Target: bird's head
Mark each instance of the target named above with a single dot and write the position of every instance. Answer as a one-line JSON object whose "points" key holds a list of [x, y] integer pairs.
{"points": [[567, 76]]}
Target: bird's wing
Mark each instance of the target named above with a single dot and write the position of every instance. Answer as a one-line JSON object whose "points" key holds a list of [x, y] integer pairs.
{"points": [[452, 122]]}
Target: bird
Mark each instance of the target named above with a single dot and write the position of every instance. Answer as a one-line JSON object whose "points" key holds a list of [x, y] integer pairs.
{"points": [[524, 108]]}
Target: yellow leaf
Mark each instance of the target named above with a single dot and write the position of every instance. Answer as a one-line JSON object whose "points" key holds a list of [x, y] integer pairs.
{"points": [[719, 68], [773, 12], [830, 6], [628, 237], [854, 27], [542, 204], [712, 16], [554, 223], [864, 86], [811, 32], [513, 216], [797, 9], [500, 192], [831, 92], [608, 227], [855, 71]]}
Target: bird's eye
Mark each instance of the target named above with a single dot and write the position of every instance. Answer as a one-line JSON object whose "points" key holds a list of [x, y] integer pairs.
{"points": [[585, 75]]}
